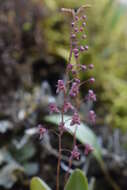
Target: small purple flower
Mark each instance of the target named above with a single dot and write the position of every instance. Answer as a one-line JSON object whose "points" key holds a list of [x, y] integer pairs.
{"points": [[82, 48], [75, 119], [73, 36], [53, 108], [81, 29], [68, 106], [72, 24], [74, 89], [88, 149], [41, 131], [76, 55], [69, 67], [92, 80], [76, 30], [74, 72], [75, 153], [83, 24], [86, 47], [91, 66], [60, 86], [76, 18], [77, 80], [75, 50], [92, 117], [91, 96], [84, 17], [83, 67]]}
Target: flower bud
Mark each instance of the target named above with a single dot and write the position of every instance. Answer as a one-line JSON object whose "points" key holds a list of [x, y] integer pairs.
{"points": [[86, 47], [77, 80], [74, 72], [72, 24], [81, 29], [91, 66], [83, 67], [83, 24], [75, 50], [76, 30], [76, 18], [82, 48], [84, 17], [73, 36], [75, 153], [75, 119], [76, 55], [92, 80], [69, 67]]}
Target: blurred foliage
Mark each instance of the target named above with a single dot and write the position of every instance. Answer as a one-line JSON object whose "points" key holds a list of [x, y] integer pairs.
{"points": [[107, 33]]}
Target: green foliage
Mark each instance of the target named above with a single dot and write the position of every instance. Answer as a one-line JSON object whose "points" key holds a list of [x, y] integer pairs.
{"points": [[77, 181], [38, 184], [15, 161], [10, 170], [84, 134]]}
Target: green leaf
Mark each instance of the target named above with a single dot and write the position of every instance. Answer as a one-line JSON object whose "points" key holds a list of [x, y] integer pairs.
{"points": [[77, 181], [84, 134], [31, 168], [38, 184]]}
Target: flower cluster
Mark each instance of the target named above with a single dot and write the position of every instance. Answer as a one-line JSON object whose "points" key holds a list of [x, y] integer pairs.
{"points": [[53, 108], [71, 90], [60, 86], [74, 91], [75, 154], [75, 119]]}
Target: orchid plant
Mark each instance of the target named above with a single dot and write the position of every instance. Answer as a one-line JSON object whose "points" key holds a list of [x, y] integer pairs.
{"points": [[70, 90]]}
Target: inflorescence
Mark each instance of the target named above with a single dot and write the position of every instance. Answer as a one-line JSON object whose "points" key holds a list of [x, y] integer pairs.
{"points": [[71, 89]]}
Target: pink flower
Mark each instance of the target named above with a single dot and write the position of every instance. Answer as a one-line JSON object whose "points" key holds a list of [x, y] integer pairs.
{"points": [[88, 149], [75, 153], [60, 86], [92, 80], [74, 89], [68, 106], [84, 17], [91, 66], [69, 67], [83, 24], [53, 108], [41, 130], [83, 67], [86, 47], [75, 119], [77, 80], [91, 96], [82, 48]]}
